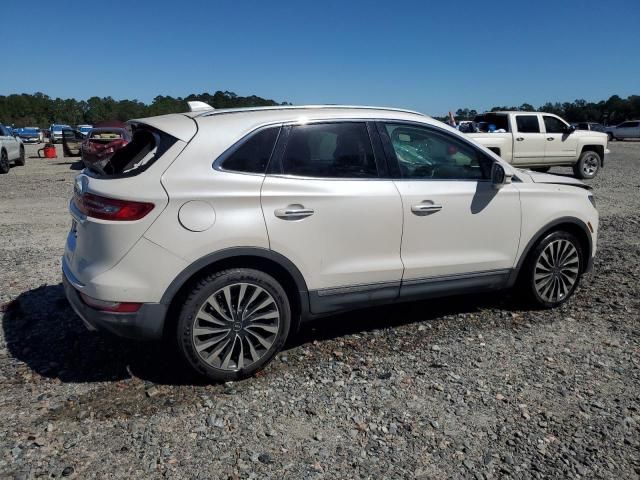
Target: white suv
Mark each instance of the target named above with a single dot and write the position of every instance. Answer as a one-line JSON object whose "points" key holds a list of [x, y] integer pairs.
{"points": [[227, 228]]}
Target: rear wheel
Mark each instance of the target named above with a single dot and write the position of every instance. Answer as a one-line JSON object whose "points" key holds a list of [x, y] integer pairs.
{"points": [[233, 323], [611, 136], [553, 270], [21, 160], [588, 165], [4, 162]]}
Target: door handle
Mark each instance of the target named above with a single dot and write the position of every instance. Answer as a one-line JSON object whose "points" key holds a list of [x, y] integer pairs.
{"points": [[293, 212], [519, 139], [550, 138], [425, 208]]}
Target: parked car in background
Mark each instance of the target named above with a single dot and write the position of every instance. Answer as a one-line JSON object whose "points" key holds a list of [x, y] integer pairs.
{"points": [[11, 150], [55, 135], [84, 129], [97, 147], [629, 129], [591, 126], [30, 135], [224, 229], [540, 141]]}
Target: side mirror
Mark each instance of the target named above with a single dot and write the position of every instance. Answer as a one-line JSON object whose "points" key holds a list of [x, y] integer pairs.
{"points": [[498, 176], [570, 129]]}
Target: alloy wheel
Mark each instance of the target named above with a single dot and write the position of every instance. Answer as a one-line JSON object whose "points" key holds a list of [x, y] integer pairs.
{"points": [[236, 326], [556, 271], [590, 164]]}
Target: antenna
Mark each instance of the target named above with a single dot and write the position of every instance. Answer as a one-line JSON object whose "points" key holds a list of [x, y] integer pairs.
{"points": [[199, 106]]}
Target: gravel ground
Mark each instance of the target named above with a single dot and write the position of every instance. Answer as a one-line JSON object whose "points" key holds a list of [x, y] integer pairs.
{"points": [[473, 387]]}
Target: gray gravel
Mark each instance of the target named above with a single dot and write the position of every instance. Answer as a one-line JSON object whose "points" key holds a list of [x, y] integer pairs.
{"points": [[472, 387]]}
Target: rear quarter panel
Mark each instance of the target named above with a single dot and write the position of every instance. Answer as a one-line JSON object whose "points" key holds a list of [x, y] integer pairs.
{"points": [[235, 212], [501, 141]]}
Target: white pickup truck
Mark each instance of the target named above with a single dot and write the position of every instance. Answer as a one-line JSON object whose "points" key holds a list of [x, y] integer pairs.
{"points": [[540, 141]]}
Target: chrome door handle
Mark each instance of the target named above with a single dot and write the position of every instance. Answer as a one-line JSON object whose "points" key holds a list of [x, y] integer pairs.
{"points": [[549, 138], [519, 139], [293, 212], [425, 208]]}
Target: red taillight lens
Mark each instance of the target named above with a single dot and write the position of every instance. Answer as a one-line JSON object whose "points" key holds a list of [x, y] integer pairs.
{"points": [[107, 306], [105, 208]]}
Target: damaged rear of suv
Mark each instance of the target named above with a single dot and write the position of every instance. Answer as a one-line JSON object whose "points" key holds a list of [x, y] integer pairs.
{"points": [[106, 255]]}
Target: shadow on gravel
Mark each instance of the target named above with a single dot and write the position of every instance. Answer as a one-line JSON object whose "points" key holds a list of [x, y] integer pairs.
{"points": [[42, 330], [395, 315]]}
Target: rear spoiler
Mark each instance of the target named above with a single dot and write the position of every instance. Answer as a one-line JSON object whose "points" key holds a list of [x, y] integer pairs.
{"points": [[177, 125]]}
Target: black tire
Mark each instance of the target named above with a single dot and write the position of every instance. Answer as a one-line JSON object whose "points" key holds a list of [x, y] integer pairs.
{"points": [[4, 162], [541, 169], [22, 159], [588, 165], [534, 267], [200, 298], [611, 136]]}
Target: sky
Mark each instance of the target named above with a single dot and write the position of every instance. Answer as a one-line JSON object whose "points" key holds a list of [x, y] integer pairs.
{"points": [[424, 55]]}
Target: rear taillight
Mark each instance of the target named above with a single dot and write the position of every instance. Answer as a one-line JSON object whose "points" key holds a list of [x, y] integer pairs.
{"points": [[105, 208], [107, 306]]}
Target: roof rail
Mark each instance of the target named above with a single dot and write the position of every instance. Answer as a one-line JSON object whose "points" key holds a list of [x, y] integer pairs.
{"points": [[303, 107]]}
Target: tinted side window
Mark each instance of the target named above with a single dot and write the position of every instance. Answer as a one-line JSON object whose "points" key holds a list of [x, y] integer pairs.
{"points": [[252, 155], [3, 131], [330, 150], [528, 123], [424, 153], [553, 125]]}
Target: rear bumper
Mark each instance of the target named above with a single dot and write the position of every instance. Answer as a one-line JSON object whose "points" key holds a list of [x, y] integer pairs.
{"points": [[145, 324]]}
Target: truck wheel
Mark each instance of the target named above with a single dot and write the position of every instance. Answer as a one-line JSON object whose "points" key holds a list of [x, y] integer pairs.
{"points": [[4, 162], [233, 323], [21, 160], [588, 165]]}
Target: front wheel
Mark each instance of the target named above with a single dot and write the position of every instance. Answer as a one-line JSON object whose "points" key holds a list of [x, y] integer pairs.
{"points": [[588, 165], [21, 160], [610, 136], [553, 270], [233, 323]]}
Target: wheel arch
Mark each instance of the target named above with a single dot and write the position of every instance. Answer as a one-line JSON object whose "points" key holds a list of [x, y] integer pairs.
{"points": [[571, 225], [599, 149], [268, 261]]}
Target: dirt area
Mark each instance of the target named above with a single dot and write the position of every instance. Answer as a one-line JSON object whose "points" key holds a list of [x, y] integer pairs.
{"points": [[472, 387]]}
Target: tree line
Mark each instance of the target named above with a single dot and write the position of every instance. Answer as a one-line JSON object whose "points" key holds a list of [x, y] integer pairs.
{"points": [[613, 111], [40, 110]]}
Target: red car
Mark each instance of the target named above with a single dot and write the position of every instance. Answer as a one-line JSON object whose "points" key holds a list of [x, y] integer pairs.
{"points": [[98, 146], [101, 143]]}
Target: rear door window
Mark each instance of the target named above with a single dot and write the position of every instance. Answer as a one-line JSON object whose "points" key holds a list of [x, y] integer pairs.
{"points": [[527, 123], [330, 150], [252, 154]]}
